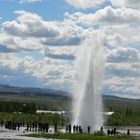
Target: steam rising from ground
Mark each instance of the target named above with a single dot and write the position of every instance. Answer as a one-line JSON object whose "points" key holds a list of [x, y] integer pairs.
{"points": [[87, 101]]}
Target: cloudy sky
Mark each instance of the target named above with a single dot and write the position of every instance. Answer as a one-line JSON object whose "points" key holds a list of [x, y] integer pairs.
{"points": [[39, 41]]}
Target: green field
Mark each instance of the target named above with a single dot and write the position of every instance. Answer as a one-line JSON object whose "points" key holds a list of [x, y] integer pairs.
{"points": [[81, 137], [43, 102]]}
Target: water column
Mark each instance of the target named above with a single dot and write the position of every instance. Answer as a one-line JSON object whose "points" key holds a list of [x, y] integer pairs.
{"points": [[87, 101]]}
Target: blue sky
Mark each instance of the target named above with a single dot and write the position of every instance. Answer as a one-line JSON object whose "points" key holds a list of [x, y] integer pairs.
{"points": [[48, 9], [39, 40]]}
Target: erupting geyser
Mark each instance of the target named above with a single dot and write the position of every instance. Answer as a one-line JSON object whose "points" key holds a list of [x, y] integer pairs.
{"points": [[87, 101]]}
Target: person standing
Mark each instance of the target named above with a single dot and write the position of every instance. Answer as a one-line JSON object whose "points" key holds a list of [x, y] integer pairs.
{"points": [[101, 129], [88, 128], [69, 128], [128, 132], [74, 129]]}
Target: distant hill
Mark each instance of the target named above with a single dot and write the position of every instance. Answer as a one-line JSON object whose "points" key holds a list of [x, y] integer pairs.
{"points": [[9, 90], [118, 102]]}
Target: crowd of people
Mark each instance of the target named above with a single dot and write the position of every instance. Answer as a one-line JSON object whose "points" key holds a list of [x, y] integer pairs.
{"points": [[77, 129], [44, 127], [38, 127], [15, 125]]}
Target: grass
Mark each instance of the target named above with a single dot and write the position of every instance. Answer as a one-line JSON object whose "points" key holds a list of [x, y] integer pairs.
{"points": [[80, 137], [51, 103]]}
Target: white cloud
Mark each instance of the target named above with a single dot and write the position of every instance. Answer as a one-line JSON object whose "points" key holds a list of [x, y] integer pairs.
{"points": [[61, 41], [29, 1], [19, 44], [29, 32], [123, 72], [123, 35], [120, 25], [126, 55], [85, 4], [65, 53], [126, 3], [30, 24], [124, 87], [122, 79], [108, 16], [6, 49], [115, 40], [69, 34], [40, 73]]}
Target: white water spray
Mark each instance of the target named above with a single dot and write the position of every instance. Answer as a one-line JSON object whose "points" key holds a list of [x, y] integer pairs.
{"points": [[87, 101]]}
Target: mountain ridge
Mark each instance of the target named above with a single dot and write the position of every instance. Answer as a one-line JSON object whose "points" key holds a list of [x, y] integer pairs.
{"points": [[7, 89], [31, 91]]}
